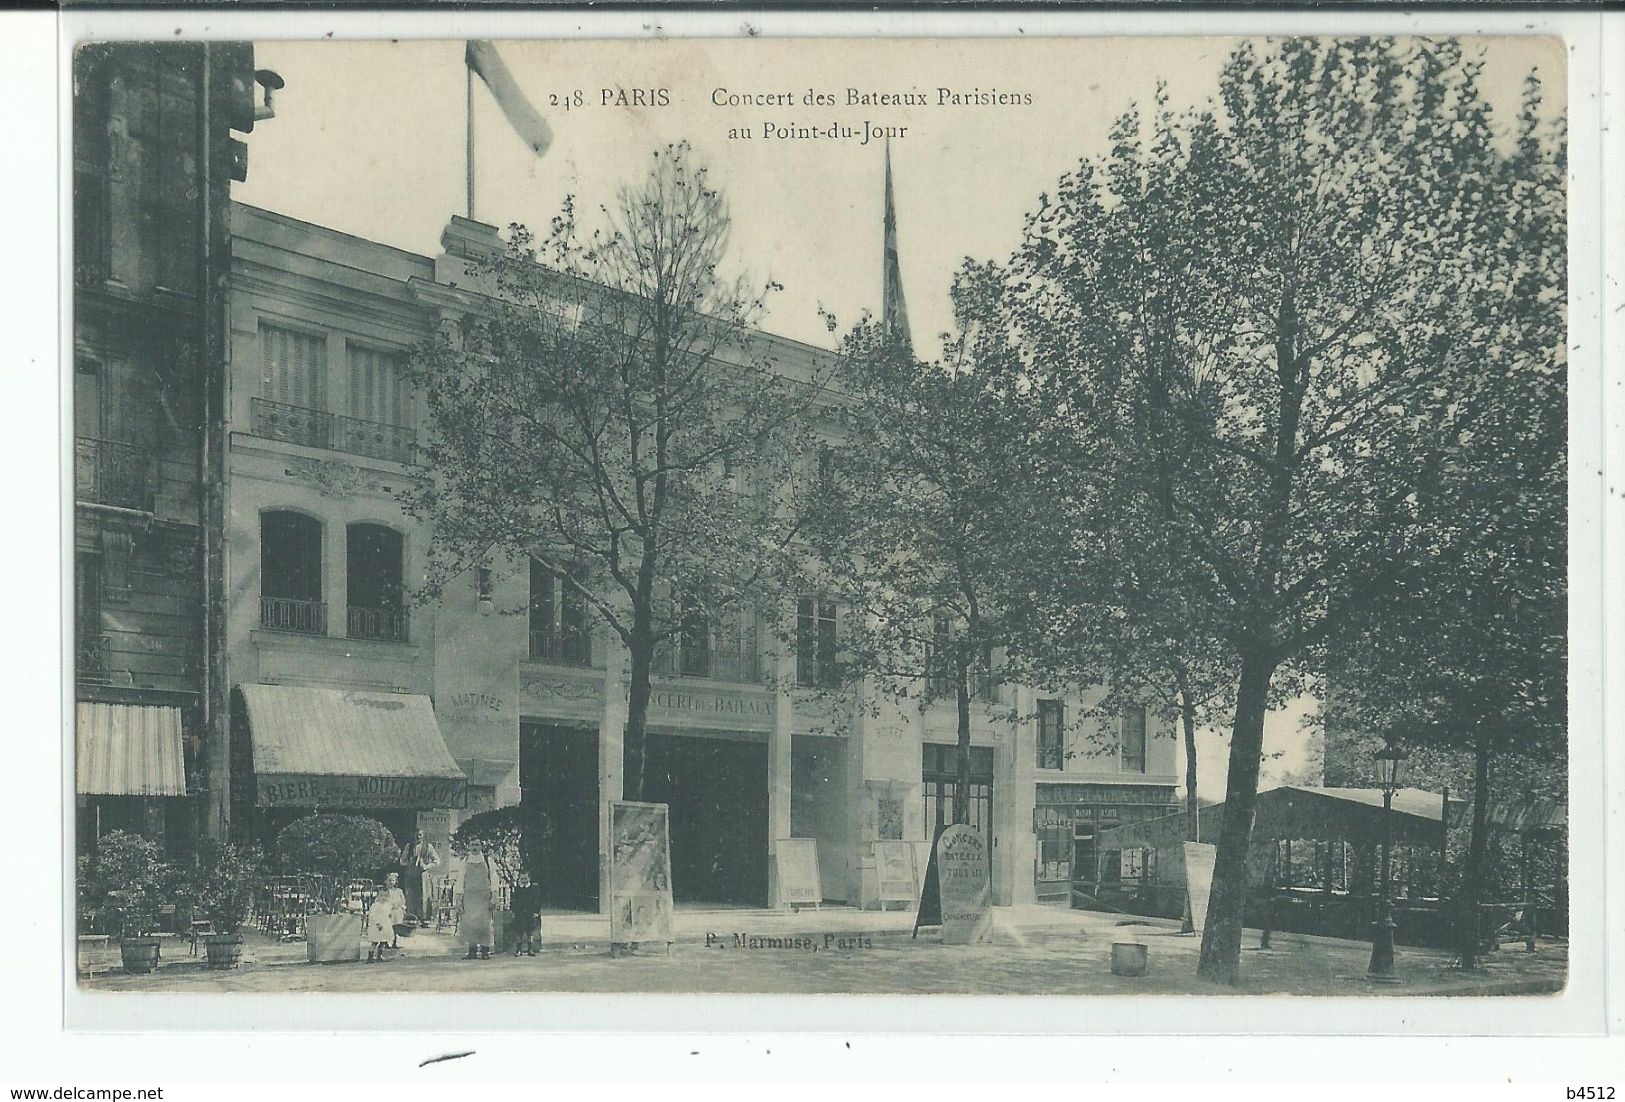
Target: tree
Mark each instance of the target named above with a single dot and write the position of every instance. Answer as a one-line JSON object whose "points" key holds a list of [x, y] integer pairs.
{"points": [[1288, 293], [913, 521], [339, 849], [606, 410], [1471, 656]]}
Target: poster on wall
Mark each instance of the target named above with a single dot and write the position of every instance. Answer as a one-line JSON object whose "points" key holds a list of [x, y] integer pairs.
{"points": [[894, 872], [796, 861], [1199, 879], [640, 874]]}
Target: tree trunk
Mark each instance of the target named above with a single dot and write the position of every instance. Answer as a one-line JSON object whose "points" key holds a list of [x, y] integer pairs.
{"points": [[1221, 936], [1472, 887], [635, 748], [962, 788], [1193, 820]]}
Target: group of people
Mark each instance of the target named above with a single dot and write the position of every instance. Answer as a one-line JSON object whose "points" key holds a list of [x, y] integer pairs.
{"points": [[396, 904]]}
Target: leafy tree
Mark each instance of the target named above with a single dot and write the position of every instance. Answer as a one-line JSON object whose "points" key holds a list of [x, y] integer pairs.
{"points": [[913, 521], [126, 882], [1471, 656], [222, 882], [499, 835], [605, 409], [339, 849], [1253, 328]]}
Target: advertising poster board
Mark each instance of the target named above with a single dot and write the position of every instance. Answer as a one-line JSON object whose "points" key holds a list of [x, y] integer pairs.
{"points": [[796, 860], [640, 874], [1199, 879], [962, 876], [894, 872]]}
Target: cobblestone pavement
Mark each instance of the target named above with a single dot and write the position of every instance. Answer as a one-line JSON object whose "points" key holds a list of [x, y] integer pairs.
{"points": [[1039, 952]]}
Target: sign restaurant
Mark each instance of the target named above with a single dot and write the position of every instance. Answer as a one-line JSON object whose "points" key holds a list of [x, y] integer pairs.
{"points": [[308, 790]]}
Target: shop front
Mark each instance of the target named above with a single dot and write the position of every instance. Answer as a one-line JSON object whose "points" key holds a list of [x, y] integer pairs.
{"points": [[1068, 820], [304, 750], [129, 772]]}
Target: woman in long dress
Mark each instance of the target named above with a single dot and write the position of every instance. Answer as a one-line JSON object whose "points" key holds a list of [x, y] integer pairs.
{"points": [[476, 926], [386, 910]]}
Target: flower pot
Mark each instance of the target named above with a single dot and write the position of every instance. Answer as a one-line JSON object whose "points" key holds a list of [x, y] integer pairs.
{"points": [[140, 954], [332, 938], [1129, 958], [224, 950]]}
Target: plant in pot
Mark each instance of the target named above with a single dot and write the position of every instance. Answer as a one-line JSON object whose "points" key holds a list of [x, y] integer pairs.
{"points": [[222, 892], [499, 836], [336, 849], [127, 880]]}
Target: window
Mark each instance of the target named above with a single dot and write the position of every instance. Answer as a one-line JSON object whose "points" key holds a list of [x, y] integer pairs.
{"points": [[558, 616], [373, 569], [1051, 736], [815, 644], [291, 573], [91, 211], [294, 366], [379, 423], [484, 585], [1134, 739]]}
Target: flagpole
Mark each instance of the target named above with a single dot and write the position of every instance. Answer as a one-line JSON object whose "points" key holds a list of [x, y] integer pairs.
{"points": [[468, 152]]}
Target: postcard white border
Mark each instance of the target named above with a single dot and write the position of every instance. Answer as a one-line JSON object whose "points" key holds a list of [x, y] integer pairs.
{"points": [[1581, 1009]]}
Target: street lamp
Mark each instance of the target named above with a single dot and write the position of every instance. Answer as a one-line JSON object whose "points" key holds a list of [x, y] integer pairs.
{"points": [[1381, 969]]}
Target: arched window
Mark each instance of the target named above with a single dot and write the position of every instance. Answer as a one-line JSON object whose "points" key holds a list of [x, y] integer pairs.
{"points": [[377, 606], [291, 573]]}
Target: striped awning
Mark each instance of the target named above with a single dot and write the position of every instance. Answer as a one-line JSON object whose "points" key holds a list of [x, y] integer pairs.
{"points": [[127, 750], [338, 748]]}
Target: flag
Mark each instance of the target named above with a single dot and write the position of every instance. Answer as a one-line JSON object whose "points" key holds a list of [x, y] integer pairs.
{"points": [[484, 62], [894, 311]]}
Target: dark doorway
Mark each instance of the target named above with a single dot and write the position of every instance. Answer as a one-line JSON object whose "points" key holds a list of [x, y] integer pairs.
{"points": [[940, 772], [717, 791], [558, 792]]}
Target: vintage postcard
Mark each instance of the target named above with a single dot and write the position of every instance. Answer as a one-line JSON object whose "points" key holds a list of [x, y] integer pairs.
{"points": [[1023, 516]]}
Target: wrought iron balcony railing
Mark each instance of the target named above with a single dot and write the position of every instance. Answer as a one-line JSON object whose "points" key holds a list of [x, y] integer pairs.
{"points": [[289, 614], [111, 473], [91, 666], [386, 624], [295, 424], [561, 648], [714, 663], [375, 439]]}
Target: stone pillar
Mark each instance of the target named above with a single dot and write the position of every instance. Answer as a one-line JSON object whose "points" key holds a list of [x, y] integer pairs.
{"points": [[611, 753], [779, 766], [1017, 769]]}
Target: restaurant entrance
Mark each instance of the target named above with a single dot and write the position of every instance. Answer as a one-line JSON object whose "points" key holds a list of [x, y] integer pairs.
{"points": [[717, 790], [558, 797]]}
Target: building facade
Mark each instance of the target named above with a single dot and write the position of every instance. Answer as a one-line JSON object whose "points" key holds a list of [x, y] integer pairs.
{"points": [[747, 743], [153, 161]]}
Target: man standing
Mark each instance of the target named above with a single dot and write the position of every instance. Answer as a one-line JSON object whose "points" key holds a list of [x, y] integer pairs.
{"points": [[416, 860]]}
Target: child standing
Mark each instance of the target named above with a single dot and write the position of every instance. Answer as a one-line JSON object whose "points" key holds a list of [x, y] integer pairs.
{"points": [[527, 915]]}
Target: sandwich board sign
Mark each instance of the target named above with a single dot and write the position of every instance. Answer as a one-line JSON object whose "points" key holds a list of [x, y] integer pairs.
{"points": [[796, 861], [894, 872], [958, 890], [639, 874], [1199, 879]]}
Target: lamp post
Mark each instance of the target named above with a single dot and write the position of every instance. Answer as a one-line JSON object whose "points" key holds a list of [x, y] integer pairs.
{"points": [[1381, 969]]}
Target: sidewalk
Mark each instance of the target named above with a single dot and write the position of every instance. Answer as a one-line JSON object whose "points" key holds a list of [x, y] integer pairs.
{"points": [[1032, 950]]}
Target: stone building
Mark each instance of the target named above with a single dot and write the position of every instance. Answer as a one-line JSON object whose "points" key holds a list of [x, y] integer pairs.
{"points": [[528, 708], [153, 161]]}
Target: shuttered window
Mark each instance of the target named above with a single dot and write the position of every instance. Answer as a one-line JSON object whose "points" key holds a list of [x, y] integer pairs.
{"points": [[377, 389], [294, 366]]}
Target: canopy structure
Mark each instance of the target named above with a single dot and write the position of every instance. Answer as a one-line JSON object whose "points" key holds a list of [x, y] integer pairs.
{"points": [[335, 748], [1527, 817], [1294, 811], [127, 750]]}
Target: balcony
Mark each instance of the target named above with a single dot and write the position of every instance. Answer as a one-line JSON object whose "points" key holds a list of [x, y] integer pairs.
{"points": [[387, 625], [107, 472], [91, 665], [375, 439], [294, 616], [716, 664], [561, 648], [297, 425]]}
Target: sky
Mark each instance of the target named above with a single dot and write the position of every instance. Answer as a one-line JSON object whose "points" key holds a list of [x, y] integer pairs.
{"points": [[369, 138]]}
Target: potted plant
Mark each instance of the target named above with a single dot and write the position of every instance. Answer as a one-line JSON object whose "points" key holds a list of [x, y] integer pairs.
{"points": [[127, 880], [222, 892], [336, 849], [499, 835]]}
